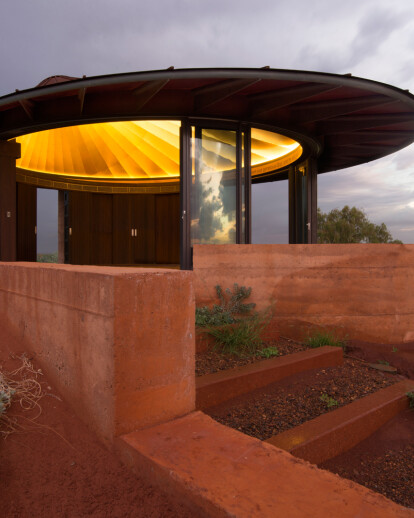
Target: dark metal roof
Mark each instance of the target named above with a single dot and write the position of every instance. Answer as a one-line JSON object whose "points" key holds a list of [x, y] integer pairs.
{"points": [[346, 120], [53, 80]]}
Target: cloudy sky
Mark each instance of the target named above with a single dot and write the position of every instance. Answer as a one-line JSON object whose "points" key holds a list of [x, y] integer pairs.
{"points": [[368, 38]]}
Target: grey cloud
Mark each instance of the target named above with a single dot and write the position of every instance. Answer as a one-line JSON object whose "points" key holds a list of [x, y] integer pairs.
{"points": [[46, 37], [374, 30], [270, 213], [383, 202]]}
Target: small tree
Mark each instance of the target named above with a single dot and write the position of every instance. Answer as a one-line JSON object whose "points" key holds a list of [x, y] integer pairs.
{"points": [[351, 225]]}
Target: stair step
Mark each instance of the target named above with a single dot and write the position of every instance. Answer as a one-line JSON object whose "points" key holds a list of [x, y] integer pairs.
{"points": [[337, 431], [213, 389], [219, 472]]}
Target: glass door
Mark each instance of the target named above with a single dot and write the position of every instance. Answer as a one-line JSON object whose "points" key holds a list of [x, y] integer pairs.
{"points": [[215, 188]]}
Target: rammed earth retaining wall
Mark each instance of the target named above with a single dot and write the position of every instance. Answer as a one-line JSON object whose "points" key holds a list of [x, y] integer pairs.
{"points": [[362, 291], [117, 342]]}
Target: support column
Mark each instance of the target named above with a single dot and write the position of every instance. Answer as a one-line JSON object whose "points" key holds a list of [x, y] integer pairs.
{"points": [[9, 152], [61, 227], [312, 188], [298, 204], [303, 225], [292, 206], [185, 200]]}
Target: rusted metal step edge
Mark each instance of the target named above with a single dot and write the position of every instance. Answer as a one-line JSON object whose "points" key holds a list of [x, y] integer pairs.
{"points": [[213, 389], [337, 431]]}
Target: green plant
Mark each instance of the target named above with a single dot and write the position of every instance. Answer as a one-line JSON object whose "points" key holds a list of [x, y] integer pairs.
{"points": [[212, 317], [269, 352], [383, 362], [410, 396], [231, 307], [242, 338], [321, 338], [395, 349], [330, 401], [47, 258]]}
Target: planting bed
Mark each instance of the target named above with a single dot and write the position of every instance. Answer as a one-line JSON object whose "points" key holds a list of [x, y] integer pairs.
{"points": [[213, 361], [384, 462], [294, 400], [398, 355]]}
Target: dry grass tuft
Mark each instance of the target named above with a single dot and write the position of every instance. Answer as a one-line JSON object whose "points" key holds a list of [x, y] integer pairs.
{"points": [[19, 387]]}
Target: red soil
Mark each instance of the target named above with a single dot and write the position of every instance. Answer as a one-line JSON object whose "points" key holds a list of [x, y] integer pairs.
{"points": [[399, 355], [60, 469], [384, 462]]}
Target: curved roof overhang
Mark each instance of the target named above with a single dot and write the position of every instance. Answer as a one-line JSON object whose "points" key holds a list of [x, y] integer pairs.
{"points": [[343, 120]]}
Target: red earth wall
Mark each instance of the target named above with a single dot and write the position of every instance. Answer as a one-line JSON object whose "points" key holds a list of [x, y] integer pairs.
{"points": [[361, 291], [117, 342]]}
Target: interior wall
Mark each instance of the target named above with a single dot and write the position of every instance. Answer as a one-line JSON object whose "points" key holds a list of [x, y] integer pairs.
{"points": [[360, 291]]}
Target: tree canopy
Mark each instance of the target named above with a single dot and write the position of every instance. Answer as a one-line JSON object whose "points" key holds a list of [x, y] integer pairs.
{"points": [[351, 225]]}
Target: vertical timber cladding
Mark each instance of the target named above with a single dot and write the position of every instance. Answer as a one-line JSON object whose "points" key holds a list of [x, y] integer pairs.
{"points": [[123, 229], [90, 228], [167, 228], [133, 228], [9, 151], [26, 222]]}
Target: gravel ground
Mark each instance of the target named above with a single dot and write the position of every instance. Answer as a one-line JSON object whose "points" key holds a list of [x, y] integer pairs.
{"points": [[283, 405], [213, 361], [384, 462]]}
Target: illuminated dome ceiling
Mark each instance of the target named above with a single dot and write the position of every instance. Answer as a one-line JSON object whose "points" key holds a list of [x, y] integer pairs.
{"points": [[340, 120], [135, 150]]}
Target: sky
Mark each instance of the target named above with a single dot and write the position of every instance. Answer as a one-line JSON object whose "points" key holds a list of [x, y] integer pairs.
{"points": [[373, 39]]}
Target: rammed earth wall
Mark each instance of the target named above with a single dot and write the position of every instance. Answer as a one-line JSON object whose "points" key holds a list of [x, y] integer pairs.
{"points": [[119, 345], [362, 291], [117, 342]]}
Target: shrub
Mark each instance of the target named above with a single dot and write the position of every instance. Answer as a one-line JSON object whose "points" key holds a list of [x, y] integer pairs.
{"points": [[231, 306], [321, 338], [410, 396], [242, 338], [47, 258]]}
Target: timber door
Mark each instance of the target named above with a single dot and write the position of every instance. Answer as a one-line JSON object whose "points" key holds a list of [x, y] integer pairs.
{"points": [[167, 229], [143, 223], [133, 229], [123, 229], [90, 228]]}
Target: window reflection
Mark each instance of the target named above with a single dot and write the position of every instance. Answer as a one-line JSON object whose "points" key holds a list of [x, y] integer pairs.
{"points": [[213, 193]]}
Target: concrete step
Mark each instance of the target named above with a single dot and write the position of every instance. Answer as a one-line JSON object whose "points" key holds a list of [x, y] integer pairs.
{"points": [[220, 472], [337, 431], [216, 388]]}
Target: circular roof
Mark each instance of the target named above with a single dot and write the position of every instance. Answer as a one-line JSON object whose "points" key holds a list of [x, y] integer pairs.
{"points": [[345, 120]]}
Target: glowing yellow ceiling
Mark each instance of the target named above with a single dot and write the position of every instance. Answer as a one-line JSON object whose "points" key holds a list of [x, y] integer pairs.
{"points": [[133, 150]]}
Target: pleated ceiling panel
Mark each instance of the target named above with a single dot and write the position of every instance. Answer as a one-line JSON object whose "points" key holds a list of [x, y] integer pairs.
{"points": [[133, 150]]}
